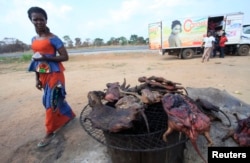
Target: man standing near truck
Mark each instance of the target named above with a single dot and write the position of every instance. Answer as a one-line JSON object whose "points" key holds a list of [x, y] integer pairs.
{"points": [[208, 44], [223, 40]]}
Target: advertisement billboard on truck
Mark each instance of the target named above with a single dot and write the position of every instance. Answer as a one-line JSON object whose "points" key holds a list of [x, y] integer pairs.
{"points": [[154, 33], [183, 32], [177, 33]]}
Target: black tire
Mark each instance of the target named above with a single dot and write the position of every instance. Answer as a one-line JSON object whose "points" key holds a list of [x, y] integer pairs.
{"points": [[187, 54], [243, 50]]}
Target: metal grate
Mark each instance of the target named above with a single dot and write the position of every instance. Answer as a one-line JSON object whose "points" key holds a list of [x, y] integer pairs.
{"points": [[137, 138]]}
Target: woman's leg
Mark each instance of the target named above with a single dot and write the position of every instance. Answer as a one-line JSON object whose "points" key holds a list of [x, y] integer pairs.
{"points": [[58, 112]]}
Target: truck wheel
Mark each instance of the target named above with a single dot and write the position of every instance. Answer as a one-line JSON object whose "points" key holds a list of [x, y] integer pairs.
{"points": [[187, 54], [243, 50]]}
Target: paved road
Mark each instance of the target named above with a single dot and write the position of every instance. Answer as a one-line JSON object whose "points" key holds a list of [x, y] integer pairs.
{"points": [[122, 49], [88, 51]]}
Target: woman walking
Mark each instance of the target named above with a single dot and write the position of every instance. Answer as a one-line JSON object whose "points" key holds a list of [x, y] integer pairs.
{"points": [[49, 74]]}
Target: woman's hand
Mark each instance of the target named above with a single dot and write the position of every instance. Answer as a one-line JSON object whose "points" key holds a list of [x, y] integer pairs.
{"points": [[39, 85], [42, 58]]}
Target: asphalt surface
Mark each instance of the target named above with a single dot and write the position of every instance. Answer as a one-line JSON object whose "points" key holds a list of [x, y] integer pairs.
{"points": [[89, 51]]}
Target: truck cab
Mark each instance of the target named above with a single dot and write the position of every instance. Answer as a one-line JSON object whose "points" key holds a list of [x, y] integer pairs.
{"points": [[244, 47], [246, 32]]}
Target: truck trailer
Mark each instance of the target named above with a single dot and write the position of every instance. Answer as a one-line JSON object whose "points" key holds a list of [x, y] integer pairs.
{"points": [[183, 37]]}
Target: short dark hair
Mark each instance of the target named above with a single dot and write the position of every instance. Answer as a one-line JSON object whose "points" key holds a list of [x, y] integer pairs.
{"points": [[37, 10], [174, 23]]}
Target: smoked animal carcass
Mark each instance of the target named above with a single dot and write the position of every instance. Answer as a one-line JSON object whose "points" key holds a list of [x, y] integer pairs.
{"points": [[110, 118], [241, 134], [185, 117]]}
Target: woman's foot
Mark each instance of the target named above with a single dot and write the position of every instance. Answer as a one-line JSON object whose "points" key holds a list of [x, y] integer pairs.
{"points": [[46, 140]]}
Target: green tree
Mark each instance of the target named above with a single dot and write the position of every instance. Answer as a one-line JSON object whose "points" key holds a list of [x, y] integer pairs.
{"points": [[86, 43], [111, 41], [140, 40], [68, 42], [98, 42], [123, 40], [133, 39], [78, 42]]}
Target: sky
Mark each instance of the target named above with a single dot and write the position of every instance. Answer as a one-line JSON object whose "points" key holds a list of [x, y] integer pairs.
{"points": [[90, 19]]}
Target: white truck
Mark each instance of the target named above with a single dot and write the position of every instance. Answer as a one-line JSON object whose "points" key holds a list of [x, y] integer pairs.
{"points": [[183, 37]]}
